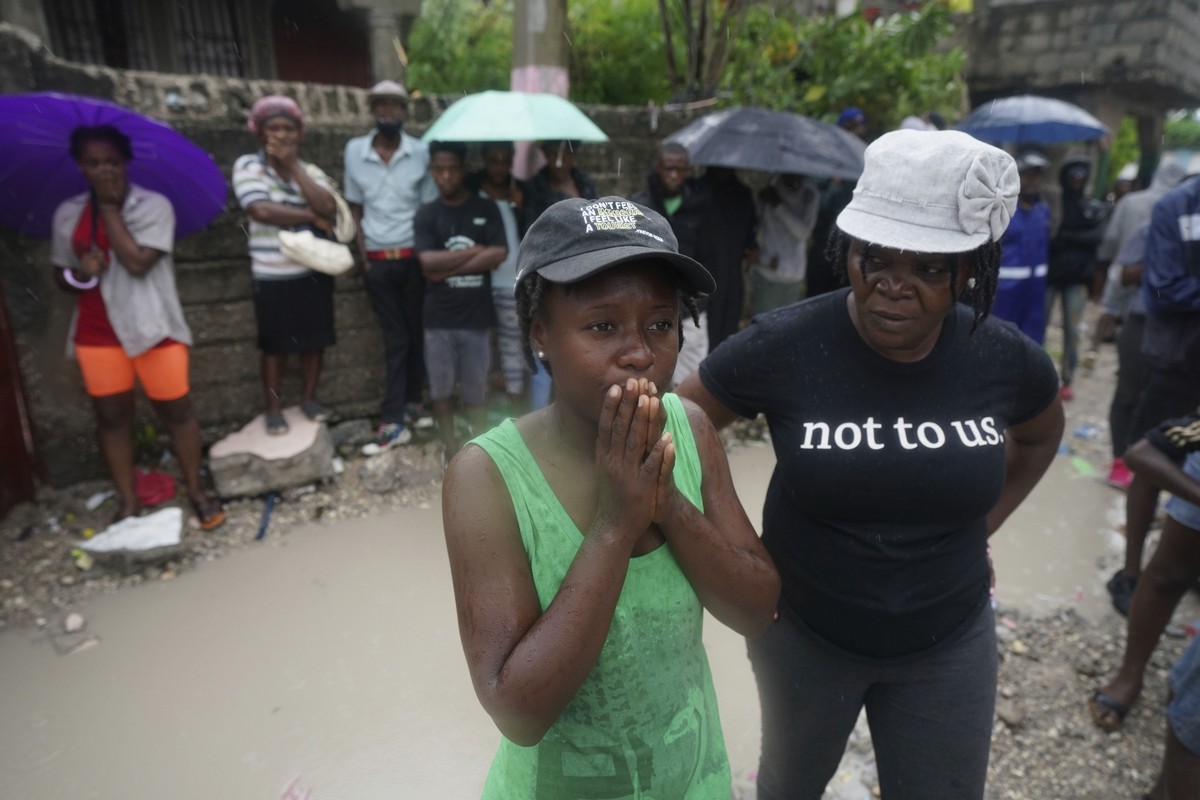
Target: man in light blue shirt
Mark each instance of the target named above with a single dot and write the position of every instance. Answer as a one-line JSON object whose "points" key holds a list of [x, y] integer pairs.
{"points": [[387, 180]]}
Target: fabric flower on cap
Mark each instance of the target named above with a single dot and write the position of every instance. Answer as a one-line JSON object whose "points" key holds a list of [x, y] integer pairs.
{"points": [[274, 105], [987, 196]]}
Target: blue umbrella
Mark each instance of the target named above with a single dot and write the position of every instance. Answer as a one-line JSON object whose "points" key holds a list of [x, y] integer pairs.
{"points": [[771, 141], [37, 171], [1028, 119]]}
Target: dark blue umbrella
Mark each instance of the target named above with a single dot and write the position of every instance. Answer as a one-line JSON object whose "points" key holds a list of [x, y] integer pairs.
{"points": [[1029, 119], [37, 171], [772, 141]]}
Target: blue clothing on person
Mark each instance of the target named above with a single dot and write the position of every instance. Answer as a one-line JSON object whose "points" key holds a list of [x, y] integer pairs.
{"points": [[391, 193], [1025, 251], [1171, 280]]}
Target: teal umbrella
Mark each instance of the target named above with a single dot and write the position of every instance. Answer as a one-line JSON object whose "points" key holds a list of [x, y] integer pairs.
{"points": [[512, 117]]}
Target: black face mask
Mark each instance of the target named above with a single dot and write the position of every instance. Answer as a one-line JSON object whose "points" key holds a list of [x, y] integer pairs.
{"points": [[389, 128]]}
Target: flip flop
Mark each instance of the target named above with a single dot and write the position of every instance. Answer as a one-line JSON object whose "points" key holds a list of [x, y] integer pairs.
{"points": [[210, 512], [276, 425], [1107, 704]]}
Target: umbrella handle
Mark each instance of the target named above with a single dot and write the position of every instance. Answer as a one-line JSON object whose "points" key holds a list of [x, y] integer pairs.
{"points": [[91, 283]]}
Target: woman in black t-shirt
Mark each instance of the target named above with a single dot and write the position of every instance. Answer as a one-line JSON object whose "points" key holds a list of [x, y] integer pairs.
{"points": [[906, 430]]}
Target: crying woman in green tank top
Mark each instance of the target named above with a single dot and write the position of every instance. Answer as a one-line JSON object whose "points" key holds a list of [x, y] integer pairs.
{"points": [[587, 538]]}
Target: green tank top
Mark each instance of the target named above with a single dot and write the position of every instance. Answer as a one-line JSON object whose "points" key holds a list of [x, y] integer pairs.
{"points": [[644, 724]]}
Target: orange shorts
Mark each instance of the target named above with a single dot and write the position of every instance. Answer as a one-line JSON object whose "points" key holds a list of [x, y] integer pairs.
{"points": [[163, 371]]}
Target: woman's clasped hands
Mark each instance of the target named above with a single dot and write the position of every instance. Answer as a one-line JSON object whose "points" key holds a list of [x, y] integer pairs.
{"points": [[634, 460]]}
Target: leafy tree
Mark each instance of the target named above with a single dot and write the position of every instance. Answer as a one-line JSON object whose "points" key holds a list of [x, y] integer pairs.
{"points": [[699, 36], [616, 54], [1182, 132], [461, 46], [890, 68]]}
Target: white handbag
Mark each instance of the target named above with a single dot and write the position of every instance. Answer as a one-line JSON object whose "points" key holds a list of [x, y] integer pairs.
{"points": [[323, 255]]}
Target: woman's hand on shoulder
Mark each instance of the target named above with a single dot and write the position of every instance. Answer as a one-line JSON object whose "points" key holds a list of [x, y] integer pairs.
{"points": [[719, 550]]}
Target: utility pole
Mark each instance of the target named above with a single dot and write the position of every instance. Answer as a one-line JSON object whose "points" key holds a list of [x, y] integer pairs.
{"points": [[540, 58]]}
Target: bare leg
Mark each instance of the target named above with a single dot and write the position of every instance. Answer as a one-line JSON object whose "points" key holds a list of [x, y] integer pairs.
{"points": [[1140, 502], [1181, 770], [310, 371], [272, 378], [1171, 572], [443, 414], [114, 420], [185, 437], [477, 416]]}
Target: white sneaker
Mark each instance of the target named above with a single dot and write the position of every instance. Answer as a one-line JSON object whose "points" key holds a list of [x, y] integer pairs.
{"points": [[388, 435]]}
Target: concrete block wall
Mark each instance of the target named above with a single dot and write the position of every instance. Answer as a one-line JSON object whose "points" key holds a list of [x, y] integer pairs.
{"points": [[212, 267], [1142, 49]]}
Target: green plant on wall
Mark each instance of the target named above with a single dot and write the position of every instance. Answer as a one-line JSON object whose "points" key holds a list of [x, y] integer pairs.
{"points": [[891, 68]]}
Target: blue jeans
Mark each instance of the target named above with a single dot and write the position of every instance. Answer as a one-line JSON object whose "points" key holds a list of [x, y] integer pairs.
{"points": [[1074, 298]]}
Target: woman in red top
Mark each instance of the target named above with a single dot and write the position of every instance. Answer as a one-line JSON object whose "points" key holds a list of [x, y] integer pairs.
{"points": [[113, 244]]}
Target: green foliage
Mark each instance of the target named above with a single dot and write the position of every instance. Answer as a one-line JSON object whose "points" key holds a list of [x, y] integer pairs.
{"points": [[616, 49], [1182, 133], [617, 55], [461, 46], [816, 66], [1124, 150]]}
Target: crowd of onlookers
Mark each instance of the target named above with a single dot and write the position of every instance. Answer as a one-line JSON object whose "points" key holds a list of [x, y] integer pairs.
{"points": [[439, 244]]}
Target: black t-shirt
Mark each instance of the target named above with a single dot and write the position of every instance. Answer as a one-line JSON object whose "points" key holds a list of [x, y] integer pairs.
{"points": [[460, 301], [875, 513], [1177, 438]]}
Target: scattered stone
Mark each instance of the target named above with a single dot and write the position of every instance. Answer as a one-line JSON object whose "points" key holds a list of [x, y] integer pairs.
{"points": [[73, 623], [352, 433], [135, 542], [252, 462], [1018, 647], [382, 473]]}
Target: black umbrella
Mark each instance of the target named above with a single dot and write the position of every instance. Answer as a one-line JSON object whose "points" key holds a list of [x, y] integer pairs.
{"points": [[772, 141]]}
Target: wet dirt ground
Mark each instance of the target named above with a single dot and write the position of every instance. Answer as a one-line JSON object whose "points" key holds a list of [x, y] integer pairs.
{"points": [[326, 656]]}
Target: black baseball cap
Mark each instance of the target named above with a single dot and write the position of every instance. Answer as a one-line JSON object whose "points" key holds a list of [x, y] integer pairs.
{"points": [[577, 238]]}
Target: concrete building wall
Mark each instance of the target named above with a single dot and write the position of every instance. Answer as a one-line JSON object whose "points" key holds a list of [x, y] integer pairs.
{"points": [[212, 267], [1143, 51]]}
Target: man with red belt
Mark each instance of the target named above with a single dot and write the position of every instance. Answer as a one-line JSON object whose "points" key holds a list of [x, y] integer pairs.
{"points": [[387, 180]]}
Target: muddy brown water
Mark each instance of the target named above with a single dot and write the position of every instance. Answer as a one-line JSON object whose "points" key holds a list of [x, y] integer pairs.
{"points": [[333, 659]]}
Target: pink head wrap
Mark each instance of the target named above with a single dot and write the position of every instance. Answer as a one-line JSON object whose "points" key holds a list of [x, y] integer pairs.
{"points": [[274, 105]]}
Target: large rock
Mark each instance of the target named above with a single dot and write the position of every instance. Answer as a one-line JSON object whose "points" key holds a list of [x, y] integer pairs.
{"points": [[251, 461], [137, 541]]}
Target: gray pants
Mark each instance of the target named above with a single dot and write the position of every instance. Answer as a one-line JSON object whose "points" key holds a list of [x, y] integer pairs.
{"points": [[930, 716]]}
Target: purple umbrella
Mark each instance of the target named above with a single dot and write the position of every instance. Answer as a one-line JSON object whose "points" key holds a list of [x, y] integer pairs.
{"points": [[37, 171]]}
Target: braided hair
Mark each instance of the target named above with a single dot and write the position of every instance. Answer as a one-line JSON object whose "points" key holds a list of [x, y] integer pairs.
{"points": [[979, 297], [531, 292]]}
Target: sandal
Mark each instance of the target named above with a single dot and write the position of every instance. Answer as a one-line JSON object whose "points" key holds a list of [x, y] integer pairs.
{"points": [[316, 412], [1120, 588], [1101, 706], [210, 512], [276, 424]]}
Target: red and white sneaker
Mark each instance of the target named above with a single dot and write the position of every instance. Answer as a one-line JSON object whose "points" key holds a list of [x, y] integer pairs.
{"points": [[1119, 476]]}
